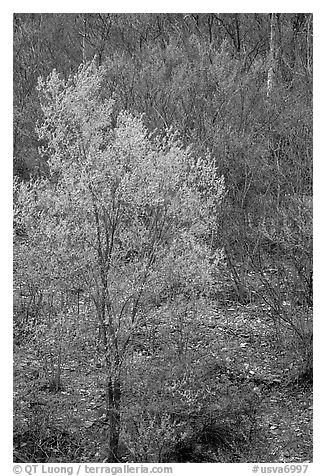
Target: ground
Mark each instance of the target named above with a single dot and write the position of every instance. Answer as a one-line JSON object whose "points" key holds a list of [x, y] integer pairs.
{"points": [[253, 350]]}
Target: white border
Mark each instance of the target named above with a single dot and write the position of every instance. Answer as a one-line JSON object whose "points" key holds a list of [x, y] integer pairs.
{"points": [[319, 186]]}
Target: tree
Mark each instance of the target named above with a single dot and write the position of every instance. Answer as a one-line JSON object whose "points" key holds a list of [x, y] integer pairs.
{"points": [[126, 217]]}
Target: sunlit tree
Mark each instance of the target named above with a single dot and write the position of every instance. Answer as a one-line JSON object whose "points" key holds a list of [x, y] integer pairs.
{"points": [[123, 215]]}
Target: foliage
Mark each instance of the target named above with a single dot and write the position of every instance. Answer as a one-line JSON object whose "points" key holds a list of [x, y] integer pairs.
{"points": [[162, 236]]}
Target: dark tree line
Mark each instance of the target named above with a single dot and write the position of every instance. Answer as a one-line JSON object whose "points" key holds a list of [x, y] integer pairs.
{"points": [[166, 61]]}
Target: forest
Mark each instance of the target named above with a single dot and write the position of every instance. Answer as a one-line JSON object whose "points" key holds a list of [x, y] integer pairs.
{"points": [[162, 237]]}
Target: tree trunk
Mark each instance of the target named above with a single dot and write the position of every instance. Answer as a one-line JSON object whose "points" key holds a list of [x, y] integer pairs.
{"points": [[84, 38], [113, 368], [309, 53], [240, 289], [113, 416], [272, 56], [108, 348]]}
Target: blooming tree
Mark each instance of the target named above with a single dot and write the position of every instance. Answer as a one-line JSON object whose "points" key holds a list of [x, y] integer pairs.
{"points": [[124, 215]]}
